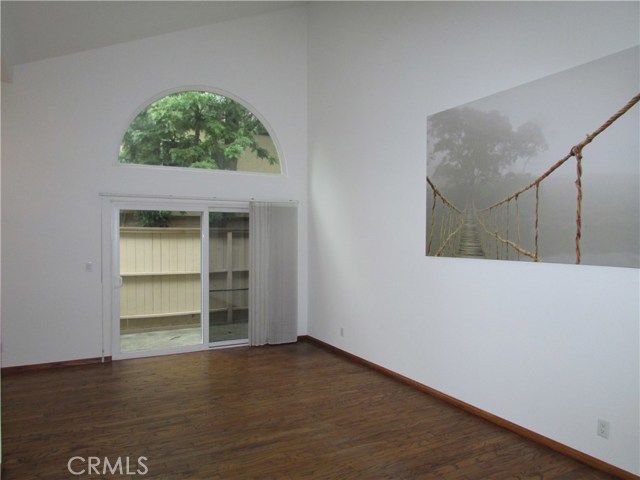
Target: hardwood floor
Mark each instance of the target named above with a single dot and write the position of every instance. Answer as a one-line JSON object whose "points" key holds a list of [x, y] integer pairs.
{"points": [[286, 412]]}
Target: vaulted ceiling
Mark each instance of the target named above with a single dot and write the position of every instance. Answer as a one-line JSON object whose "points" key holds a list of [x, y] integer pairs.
{"points": [[37, 30]]}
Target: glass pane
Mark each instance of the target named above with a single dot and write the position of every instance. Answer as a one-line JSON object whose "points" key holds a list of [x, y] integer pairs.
{"points": [[204, 130], [160, 263], [228, 276]]}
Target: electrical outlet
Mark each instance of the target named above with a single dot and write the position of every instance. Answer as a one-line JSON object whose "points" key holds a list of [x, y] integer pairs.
{"points": [[603, 428], [341, 331]]}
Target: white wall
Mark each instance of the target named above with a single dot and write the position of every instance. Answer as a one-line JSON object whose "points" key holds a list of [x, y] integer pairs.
{"points": [[63, 120], [549, 347]]}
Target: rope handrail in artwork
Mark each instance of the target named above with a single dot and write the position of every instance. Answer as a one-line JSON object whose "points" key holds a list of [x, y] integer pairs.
{"points": [[508, 242], [575, 151], [442, 197], [451, 222]]}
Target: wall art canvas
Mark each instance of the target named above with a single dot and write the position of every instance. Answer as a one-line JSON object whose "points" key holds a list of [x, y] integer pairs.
{"points": [[537, 174]]}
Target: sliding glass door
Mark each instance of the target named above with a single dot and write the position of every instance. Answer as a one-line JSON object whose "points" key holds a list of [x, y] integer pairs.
{"points": [[160, 280], [228, 277], [180, 276]]}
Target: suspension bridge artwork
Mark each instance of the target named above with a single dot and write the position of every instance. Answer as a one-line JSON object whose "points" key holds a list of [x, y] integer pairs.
{"points": [[545, 172]]}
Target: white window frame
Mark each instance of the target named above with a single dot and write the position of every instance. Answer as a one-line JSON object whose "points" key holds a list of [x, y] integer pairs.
{"points": [[217, 91]]}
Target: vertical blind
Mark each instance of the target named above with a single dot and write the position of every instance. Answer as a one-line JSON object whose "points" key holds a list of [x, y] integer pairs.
{"points": [[273, 281]]}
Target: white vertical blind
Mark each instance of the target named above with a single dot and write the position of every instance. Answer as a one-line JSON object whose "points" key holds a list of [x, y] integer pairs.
{"points": [[273, 278]]}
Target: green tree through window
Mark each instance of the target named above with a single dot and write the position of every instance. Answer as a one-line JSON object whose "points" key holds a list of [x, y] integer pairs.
{"points": [[199, 130]]}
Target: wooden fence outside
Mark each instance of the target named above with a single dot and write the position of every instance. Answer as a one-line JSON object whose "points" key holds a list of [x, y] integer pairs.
{"points": [[160, 269]]}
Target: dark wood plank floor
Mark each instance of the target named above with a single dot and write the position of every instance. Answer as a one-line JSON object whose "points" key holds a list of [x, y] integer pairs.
{"points": [[287, 412]]}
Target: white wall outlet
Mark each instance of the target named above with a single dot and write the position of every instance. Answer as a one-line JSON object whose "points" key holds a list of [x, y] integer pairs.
{"points": [[88, 267], [342, 331], [603, 428]]}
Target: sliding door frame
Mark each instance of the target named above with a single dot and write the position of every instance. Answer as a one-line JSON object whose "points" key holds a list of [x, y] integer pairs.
{"points": [[111, 280], [235, 342]]}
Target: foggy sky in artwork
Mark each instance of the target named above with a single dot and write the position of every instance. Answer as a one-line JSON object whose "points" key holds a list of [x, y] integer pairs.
{"points": [[567, 106]]}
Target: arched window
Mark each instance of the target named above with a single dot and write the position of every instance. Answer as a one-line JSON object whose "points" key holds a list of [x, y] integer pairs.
{"points": [[198, 129]]}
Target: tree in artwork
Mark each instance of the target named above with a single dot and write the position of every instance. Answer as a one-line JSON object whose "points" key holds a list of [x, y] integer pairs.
{"points": [[475, 149]]}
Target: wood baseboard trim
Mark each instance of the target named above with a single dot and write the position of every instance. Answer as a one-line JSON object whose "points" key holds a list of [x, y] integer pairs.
{"points": [[50, 365], [524, 432]]}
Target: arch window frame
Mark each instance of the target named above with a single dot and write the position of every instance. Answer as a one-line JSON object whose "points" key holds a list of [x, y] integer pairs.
{"points": [[216, 91]]}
